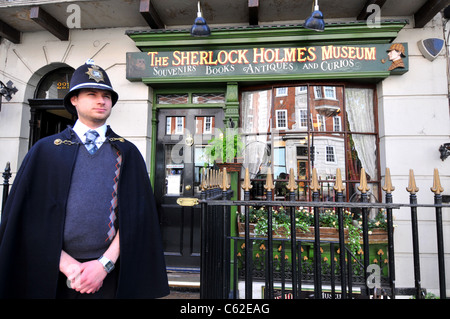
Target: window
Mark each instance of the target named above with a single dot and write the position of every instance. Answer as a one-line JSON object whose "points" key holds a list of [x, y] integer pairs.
{"points": [[282, 92], [333, 126], [321, 123], [318, 92], [175, 125], [329, 154], [282, 119], [337, 124], [55, 85], [207, 128], [303, 117], [330, 92]]}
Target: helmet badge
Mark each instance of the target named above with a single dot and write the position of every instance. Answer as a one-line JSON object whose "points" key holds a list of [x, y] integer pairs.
{"points": [[95, 73]]}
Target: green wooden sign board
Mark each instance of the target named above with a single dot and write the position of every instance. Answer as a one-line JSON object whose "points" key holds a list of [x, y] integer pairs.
{"points": [[263, 63]]}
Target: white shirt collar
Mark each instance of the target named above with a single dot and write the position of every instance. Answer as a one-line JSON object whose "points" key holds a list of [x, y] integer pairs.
{"points": [[81, 129]]}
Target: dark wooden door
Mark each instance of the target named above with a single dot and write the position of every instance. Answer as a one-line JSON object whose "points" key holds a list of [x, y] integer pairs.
{"points": [[182, 136]]}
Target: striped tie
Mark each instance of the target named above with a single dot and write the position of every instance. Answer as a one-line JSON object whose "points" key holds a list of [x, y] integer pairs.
{"points": [[91, 136]]}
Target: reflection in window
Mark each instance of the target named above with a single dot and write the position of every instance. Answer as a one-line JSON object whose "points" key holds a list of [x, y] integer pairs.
{"points": [[172, 98], [305, 127], [330, 158], [204, 124], [281, 119], [208, 98], [174, 125], [55, 85]]}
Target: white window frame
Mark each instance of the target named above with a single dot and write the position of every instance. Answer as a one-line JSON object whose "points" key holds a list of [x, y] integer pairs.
{"points": [[303, 118], [284, 112], [283, 91], [207, 120], [179, 127], [318, 94], [337, 124], [321, 122], [329, 92], [330, 154]]}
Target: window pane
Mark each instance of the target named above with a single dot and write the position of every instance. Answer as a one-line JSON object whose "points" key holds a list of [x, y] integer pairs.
{"points": [[256, 110], [204, 124], [208, 98], [304, 127], [174, 169], [172, 98], [326, 110], [55, 85], [175, 125]]}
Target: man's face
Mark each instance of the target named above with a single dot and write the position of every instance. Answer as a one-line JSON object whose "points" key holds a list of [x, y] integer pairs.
{"points": [[93, 106], [394, 55]]}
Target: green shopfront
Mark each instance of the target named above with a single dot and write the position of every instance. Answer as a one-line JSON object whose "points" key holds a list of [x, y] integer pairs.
{"points": [[299, 99]]}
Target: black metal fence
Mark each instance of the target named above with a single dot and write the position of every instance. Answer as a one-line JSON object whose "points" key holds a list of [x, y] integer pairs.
{"points": [[304, 264], [298, 266]]}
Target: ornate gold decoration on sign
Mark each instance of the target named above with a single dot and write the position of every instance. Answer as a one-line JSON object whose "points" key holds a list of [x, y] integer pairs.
{"points": [[388, 188], [363, 188], [187, 201], [437, 189], [412, 188], [95, 74], [339, 186]]}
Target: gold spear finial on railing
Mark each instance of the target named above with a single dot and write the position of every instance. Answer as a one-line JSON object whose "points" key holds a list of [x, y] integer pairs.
{"points": [[363, 187], [269, 180], [246, 185], [412, 188], [225, 182], [437, 189], [388, 188], [208, 178], [314, 182], [292, 185], [203, 185], [339, 186]]}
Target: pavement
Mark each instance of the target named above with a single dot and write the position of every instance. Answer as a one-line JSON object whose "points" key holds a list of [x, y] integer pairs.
{"points": [[183, 285]]}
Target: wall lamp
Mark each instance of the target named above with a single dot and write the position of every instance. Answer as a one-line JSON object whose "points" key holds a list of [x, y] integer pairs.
{"points": [[7, 91], [200, 28], [315, 21], [445, 151]]}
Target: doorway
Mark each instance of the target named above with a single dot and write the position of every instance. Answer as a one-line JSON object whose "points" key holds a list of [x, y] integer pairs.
{"points": [[181, 139]]}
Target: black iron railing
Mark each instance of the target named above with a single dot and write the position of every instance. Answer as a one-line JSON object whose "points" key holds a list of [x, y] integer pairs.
{"points": [[291, 266], [232, 265]]}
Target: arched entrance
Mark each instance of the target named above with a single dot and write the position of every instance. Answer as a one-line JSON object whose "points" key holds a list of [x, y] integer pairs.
{"points": [[48, 115]]}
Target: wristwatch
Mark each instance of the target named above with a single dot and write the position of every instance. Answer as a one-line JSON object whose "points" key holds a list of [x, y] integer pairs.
{"points": [[108, 265]]}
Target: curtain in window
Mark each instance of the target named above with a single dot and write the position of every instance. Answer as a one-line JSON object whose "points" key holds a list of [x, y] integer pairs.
{"points": [[359, 105], [256, 112]]}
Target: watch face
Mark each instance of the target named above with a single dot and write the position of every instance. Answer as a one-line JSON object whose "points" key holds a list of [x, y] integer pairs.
{"points": [[109, 266]]}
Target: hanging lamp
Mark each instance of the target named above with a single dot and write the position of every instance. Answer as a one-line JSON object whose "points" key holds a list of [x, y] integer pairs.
{"points": [[200, 28], [315, 21]]}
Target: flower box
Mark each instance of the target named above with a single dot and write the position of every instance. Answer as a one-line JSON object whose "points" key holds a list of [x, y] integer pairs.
{"points": [[376, 236]]}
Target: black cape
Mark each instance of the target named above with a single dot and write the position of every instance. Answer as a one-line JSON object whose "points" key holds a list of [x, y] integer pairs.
{"points": [[32, 225]]}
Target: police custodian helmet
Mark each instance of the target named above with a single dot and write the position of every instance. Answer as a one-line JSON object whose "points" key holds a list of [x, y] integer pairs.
{"points": [[88, 76]]}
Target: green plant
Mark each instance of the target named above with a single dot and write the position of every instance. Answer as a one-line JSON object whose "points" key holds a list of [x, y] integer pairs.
{"points": [[304, 218], [225, 147]]}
